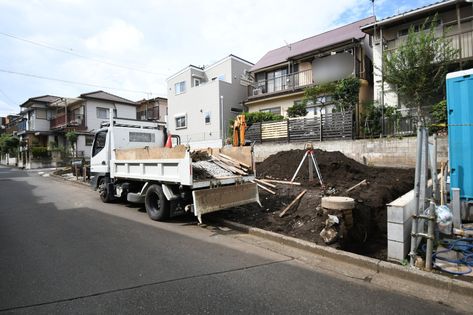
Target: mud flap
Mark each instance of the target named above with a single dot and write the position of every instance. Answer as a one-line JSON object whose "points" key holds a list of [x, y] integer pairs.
{"points": [[215, 199]]}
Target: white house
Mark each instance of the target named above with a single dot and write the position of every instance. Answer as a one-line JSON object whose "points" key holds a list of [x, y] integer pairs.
{"points": [[202, 100], [84, 115]]}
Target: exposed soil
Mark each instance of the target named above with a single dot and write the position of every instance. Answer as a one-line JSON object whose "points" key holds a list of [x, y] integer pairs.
{"points": [[306, 219]]}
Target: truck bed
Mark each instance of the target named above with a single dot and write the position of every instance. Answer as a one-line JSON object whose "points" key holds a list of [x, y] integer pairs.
{"points": [[176, 165]]}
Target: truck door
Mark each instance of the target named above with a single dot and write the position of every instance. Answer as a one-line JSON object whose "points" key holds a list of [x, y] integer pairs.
{"points": [[100, 159]]}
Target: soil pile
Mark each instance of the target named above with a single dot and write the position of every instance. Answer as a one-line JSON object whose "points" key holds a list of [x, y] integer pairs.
{"points": [[306, 220]]}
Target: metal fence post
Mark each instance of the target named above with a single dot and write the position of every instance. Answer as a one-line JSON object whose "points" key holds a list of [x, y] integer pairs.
{"points": [[321, 127], [261, 132], [288, 131]]}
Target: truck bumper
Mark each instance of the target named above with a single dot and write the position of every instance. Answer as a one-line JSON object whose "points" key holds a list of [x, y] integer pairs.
{"points": [[215, 199]]}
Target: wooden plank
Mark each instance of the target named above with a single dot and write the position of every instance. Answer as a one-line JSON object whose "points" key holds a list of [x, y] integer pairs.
{"points": [[281, 182], [264, 188], [151, 153], [262, 181], [234, 160], [241, 154], [363, 182], [292, 203], [230, 168]]}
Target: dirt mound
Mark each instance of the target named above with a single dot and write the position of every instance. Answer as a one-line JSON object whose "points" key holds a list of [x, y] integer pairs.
{"points": [[339, 173], [333, 165]]}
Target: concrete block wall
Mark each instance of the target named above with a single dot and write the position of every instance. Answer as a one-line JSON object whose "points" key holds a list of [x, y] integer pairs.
{"points": [[390, 152], [400, 213]]}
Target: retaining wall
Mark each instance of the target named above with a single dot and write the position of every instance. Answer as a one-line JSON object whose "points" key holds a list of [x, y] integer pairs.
{"points": [[391, 152]]}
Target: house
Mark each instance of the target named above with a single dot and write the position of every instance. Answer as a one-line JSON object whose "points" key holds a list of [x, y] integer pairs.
{"points": [[84, 115], [281, 75], [152, 109], [33, 126], [202, 100], [455, 21]]}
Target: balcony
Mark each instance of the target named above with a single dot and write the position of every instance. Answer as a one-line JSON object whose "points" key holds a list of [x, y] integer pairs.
{"points": [[149, 114], [21, 126], [463, 41], [74, 121], [283, 83]]}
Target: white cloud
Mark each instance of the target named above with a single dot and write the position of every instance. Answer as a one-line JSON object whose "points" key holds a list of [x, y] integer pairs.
{"points": [[159, 36], [118, 37]]}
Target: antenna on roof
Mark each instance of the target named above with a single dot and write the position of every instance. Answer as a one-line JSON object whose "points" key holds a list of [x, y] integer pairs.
{"points": [[288, 45]]}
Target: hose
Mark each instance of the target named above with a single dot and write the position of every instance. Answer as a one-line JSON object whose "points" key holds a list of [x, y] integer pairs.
{"points": [[462, 245]]}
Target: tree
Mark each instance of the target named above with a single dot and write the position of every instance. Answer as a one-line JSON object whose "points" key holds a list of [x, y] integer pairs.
{"points": [[297, 110], [8, 144], [314, 93], [71, 136], [346, 94], [417, 68]]}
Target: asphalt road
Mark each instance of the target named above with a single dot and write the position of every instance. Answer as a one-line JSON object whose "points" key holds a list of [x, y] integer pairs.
{"points": [[63, 251]]}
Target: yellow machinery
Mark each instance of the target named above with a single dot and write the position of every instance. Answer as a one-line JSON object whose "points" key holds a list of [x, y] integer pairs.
{"points": [[239, 127]]}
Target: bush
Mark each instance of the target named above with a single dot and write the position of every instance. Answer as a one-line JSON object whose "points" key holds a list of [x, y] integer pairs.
{"points": [[255, 117], [297, 110], [40, 152]]}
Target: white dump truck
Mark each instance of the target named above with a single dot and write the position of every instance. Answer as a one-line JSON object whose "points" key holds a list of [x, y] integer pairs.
{"points": [[129, 162]]}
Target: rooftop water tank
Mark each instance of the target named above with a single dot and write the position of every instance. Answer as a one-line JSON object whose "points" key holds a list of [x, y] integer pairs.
{"points": [[460, 131]]}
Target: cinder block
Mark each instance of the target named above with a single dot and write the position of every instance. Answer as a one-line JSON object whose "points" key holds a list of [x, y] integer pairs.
{"points": [[401, 209], [400, 232], [397, 251]]}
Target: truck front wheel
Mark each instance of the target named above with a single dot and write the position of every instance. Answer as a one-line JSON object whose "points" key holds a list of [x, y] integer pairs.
{"points": [[103, 191], [157, 206]]}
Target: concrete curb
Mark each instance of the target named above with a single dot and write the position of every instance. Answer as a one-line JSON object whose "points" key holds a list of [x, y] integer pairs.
{"points": [[69, 181], [376, 265]]}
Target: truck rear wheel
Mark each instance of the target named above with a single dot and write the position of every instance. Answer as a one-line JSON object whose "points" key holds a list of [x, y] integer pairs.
{"points": [[157, 206], [105, 195]]}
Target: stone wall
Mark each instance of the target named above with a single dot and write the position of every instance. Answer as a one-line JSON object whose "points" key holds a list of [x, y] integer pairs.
{"points": [[391, 152]]}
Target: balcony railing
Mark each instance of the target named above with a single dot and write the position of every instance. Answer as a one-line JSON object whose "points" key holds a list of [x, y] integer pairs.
{"points": [[465, 37], [149, 114], [21, 126], [283, 83], [74, 121]]}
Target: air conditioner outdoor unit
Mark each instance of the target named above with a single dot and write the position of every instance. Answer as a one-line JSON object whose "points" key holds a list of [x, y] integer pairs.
{"points": [[257, 91]]}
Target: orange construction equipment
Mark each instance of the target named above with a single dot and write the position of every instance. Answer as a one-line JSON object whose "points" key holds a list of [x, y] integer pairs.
{"points": [[169, 141], [239, 127]]}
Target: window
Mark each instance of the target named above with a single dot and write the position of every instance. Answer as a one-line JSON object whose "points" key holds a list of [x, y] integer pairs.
{"points": [[141, 137], [181, 122], [277, 80], [207, 118], [180, 87], [274, 110], [89, 140], [99, 143], [196, 82], [41, 114], [102, 113]]}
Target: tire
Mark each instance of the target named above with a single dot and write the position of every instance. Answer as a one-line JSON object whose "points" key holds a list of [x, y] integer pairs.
{"points": [[156, 204], [105, 196]]}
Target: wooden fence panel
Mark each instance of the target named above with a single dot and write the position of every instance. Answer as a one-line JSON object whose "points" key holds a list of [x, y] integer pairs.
{"points": [[274, 131], [304, 129], [333, 126]]}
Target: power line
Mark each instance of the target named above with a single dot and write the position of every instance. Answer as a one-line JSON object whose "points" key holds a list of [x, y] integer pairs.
{"points": [[74, 82], [70, 52], [7, 97]]}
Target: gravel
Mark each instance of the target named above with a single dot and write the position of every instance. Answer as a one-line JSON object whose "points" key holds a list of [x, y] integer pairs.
{"points": [[211, 168]]}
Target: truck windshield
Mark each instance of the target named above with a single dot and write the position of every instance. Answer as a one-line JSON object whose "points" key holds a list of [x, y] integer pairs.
{"points": [[99, 142]]}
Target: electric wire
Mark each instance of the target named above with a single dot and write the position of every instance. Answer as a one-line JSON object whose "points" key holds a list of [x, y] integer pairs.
{"points": [[70, 52], [75, 82]]}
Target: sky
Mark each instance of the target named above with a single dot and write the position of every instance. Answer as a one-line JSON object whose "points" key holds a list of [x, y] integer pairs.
{"points": [[129, 48]]}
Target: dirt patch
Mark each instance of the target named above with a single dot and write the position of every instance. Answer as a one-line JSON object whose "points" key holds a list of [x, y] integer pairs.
{"points": [[306, 219]]}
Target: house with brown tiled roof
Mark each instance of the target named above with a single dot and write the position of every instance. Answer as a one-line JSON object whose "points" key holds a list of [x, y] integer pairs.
{"points": [[278, 79]]}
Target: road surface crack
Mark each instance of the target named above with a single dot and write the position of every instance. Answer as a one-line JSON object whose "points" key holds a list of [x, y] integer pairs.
{"points": [[144, 285]]}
